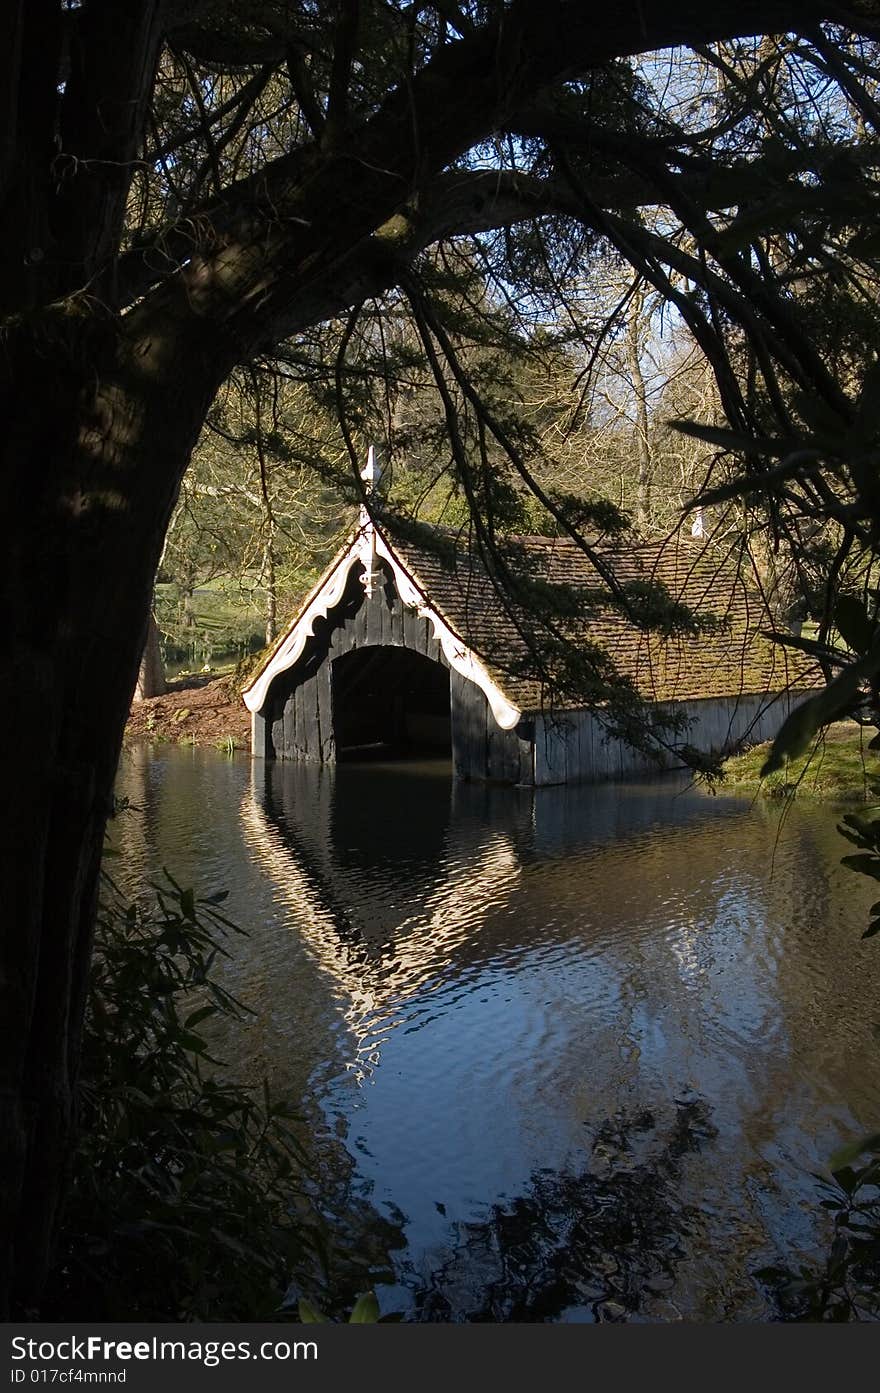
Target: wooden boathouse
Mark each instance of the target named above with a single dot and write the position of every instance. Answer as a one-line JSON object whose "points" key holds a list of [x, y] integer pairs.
{"points": [[400, 649]]}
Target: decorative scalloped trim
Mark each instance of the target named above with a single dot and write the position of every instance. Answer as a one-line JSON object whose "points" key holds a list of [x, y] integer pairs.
{"points": [[459, 657], [366, 546], [294, 644]]}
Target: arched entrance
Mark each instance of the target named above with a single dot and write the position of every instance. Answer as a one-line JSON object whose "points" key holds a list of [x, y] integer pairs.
{"points": [[389, 702]]}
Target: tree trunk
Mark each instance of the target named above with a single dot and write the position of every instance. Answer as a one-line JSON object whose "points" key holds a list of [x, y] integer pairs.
{"points": [[271, 591], [778, 581], [91, 464], [634, 338], [189, 614], [151, 674]]}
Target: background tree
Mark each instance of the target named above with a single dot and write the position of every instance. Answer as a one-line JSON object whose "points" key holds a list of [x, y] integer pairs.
{"points": [[254, 520]]}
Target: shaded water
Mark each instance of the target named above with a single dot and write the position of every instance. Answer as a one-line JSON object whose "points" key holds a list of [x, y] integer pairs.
{"points": [[585, 1045]]}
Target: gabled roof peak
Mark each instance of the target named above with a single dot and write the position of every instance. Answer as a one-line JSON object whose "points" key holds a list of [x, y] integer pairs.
{"points": [[369, 547]]}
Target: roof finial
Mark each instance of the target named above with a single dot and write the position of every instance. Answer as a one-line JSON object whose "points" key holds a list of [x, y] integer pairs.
{"points": [[372, 575], [371, 473]]}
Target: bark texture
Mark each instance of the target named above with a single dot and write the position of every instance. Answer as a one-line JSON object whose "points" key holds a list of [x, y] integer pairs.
{"points": [[151, 673], [83, 533], [635, 336]]}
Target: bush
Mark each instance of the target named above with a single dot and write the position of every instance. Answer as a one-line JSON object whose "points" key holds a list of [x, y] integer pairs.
{"points": [[189, 1195], [845, 1285]]}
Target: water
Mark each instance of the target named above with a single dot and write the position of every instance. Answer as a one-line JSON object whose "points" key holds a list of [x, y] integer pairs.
{"points": [[586, 1046]]}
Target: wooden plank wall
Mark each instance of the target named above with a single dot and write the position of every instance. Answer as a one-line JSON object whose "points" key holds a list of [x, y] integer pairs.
{"points": [[480, 748], [298, 713], [576, 749]]}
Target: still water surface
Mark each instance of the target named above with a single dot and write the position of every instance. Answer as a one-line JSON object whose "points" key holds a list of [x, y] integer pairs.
{"points": [[585, 1045]]}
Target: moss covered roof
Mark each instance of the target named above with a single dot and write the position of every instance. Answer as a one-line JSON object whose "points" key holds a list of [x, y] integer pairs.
{"points": [[731, 656]]}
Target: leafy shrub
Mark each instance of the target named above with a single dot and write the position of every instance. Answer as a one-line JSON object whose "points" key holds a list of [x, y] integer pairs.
{"points": [[845, 1286], [190, 1195]]}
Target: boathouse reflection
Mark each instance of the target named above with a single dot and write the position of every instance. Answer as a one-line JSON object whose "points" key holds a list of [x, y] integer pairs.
{"points": [[401, 880], [328, 839]]}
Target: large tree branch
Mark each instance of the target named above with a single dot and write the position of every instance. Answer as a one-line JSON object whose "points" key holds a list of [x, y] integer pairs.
{"points": [[460, 97], [74, 181], [465, 202], [233, 41], [274, 244]]}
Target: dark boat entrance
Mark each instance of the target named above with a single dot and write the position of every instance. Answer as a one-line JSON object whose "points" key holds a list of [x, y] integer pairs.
{"points": [[390, 703]]}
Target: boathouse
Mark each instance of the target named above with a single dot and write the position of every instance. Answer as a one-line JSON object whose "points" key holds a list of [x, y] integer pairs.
{"points": [[405, 649]]}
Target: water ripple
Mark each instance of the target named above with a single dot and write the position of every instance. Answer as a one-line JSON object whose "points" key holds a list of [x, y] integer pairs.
{"points": [[508, 1001]]}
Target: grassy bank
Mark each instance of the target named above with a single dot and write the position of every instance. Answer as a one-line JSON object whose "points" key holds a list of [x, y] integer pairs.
{"points": [[838, 768]]}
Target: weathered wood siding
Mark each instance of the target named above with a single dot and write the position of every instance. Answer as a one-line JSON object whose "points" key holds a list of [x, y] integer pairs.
{"points": [[575, 748], [296, 721], [480, 748]]}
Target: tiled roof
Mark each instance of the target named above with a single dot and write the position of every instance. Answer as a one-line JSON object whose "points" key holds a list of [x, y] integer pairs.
{"points": [[732, 658]]}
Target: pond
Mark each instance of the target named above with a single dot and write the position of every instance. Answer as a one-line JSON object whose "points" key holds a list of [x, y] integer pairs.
{"points": [[585, 1046]]}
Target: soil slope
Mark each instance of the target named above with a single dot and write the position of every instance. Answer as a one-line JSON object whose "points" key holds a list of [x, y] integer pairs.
{"points": [[194, 711]]}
